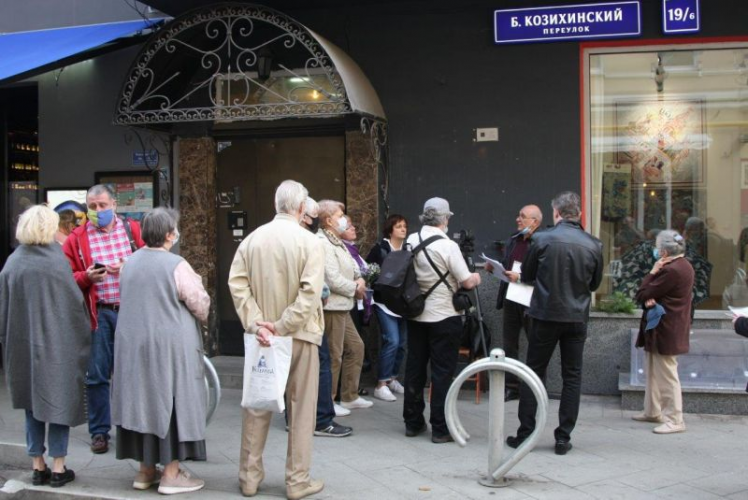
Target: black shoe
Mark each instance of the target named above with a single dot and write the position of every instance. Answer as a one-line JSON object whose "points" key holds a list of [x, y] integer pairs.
{"points": [[363, 392], [510, 394], [562, 447], [40, 477], [334, 430], [61, 478], [514, 441], [446, 438], [414, 432]]}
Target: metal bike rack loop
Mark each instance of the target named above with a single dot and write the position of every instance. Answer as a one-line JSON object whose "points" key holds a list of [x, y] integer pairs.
{"points": [[212, 389], [497, 364]]}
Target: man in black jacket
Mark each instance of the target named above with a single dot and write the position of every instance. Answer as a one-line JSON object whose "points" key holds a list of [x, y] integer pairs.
{"points": [[515, 314], [565, 265]]}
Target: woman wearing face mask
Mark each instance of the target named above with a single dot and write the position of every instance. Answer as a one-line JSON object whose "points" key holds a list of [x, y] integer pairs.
{"points": [[343, 276], [665, 293], [394, 328], [158, 393]]}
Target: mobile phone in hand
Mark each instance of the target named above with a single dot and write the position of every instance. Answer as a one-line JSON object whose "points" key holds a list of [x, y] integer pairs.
{"points": [[99, 265]]}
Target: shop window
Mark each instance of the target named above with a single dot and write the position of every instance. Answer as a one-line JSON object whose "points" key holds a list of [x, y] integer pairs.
{"points": [[668, 149]]}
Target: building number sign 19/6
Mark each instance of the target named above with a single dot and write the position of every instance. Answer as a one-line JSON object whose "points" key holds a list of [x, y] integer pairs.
{"points": [[680, 16]]}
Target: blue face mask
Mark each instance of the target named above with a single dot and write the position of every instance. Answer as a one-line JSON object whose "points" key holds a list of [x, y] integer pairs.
{"points": [[656, 253], [524, 231], [102, 218]]}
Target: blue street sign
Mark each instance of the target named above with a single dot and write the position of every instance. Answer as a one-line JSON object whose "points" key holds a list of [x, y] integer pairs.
{"points": [[145, 158], [680, 16], [568, 22]]}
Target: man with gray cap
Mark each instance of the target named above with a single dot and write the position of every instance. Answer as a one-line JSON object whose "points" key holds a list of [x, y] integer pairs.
{"points": [[434, 335]]}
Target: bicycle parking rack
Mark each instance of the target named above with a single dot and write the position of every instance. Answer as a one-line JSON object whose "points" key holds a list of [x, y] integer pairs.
{"points": [[212, 389], [497, 364]]}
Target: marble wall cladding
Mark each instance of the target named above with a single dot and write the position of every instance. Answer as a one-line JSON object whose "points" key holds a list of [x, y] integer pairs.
{"points": [[361, 188], [197, 193]]}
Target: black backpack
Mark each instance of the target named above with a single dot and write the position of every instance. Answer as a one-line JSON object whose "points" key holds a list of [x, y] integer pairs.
{"points": [[397, 287]]}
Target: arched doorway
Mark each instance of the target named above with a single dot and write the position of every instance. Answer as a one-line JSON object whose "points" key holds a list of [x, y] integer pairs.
{"points": [[234, 83]]}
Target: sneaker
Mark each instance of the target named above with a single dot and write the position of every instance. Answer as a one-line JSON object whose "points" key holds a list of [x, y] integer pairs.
{"points": [[396, 386], [99, 444], [340, 411], [40, 477], [641, 417], [334, 430], [59, 479], [314, 486], [143, 481], [359, 402], [384, 394], [183, 483], [669, 428]]}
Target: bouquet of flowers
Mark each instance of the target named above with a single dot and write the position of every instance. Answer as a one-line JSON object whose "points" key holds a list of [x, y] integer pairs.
{"points": [[371, 275]]}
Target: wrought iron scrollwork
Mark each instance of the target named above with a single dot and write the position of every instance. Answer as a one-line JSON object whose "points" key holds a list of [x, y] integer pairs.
{"points": [[376, 130], [208, 65]]}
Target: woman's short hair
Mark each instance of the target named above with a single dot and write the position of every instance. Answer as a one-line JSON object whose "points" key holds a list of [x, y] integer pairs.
{"points": [[37, 226], [67, 219], [311, 206], [157, 224], [289, 196], [392, 221], [670, 241], [431, 217], [568, 205], [327, 209]]}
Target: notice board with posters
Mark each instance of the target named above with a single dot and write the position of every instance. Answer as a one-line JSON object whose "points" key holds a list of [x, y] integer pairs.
{"points": [[134, 191]]}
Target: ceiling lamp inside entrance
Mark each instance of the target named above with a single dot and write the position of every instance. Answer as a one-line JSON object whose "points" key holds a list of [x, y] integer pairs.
{"points": [[234, 62]]}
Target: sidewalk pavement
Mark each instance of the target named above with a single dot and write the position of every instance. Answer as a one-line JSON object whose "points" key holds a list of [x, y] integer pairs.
{"points": [[613, 458]]}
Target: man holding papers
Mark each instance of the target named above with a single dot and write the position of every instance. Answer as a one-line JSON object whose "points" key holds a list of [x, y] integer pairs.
{"points": [[515, 312], [565, 265]]}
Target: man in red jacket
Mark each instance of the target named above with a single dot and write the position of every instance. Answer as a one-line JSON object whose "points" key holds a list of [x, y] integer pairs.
{"points": [[96, 252]]}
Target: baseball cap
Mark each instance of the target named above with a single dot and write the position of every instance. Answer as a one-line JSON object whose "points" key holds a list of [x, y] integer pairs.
{"points": [[653, 316], [439, 205]]}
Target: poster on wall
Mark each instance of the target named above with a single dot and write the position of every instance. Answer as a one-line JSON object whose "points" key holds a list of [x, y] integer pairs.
{"points": [[616, 191], [664, 141], [133, 191]]}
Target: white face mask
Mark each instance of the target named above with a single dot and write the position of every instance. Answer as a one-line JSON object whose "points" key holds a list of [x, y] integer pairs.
{"points": [[342, 225], [176, 238]]}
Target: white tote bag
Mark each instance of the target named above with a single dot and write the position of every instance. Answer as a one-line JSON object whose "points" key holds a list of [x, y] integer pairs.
{"points": [[266, 373]]}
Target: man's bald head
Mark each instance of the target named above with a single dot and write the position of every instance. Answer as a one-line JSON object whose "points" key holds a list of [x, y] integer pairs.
{"points": [[530, 217]]}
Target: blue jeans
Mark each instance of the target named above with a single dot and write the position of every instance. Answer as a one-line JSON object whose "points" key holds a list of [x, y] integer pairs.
{"points": [[100, 366], [394, 338], [35, 431], [325, 408]]}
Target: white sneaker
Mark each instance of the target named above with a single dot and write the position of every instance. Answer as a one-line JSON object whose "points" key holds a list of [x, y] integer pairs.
{"points": [[340, 411], [384, 394], [359, 402], [396, 386]]}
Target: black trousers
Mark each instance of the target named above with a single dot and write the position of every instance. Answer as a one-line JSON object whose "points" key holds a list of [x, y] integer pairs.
{"points": [[514, 321], [439, 344], [542, 340]]}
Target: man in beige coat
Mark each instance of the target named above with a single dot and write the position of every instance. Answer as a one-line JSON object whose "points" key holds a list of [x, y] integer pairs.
{"points": [[276, 282]]}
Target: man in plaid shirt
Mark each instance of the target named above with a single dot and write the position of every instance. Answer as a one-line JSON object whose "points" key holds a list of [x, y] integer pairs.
{"points": [[96, 252]]}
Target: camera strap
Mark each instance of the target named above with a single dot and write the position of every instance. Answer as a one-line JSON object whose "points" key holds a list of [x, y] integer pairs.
{"points": [[442, 277]]}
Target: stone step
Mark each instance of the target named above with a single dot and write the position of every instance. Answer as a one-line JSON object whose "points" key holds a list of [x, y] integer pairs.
{"points": [[230, 370], [716, 401]]}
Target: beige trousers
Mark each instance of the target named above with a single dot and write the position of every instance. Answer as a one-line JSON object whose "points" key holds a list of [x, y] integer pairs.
{"points": [[346, 354], [301, 403], [662, 394]]}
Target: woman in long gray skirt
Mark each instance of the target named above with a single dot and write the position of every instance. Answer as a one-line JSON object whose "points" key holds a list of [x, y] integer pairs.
{"points": [[46, 335], [158, 392]]}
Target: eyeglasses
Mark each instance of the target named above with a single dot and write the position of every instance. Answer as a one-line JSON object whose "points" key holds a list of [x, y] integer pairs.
{"points": [[525, 217]]}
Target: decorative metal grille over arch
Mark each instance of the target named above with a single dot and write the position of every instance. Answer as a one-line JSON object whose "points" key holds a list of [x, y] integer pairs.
{"points": [[233, 62]]}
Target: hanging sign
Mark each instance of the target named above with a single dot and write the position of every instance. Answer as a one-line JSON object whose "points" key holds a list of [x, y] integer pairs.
{"points": [[680, 16], [567, 22], [145, 158]]}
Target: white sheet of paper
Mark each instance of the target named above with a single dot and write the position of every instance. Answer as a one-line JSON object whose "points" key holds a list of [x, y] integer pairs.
{"points": [[519, 292], [498, 268], [740, 311]]}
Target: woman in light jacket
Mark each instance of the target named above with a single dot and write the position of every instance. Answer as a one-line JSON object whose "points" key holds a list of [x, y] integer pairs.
{"points": [[158, 391], [343, 276], [669, 284], [45, 334]]}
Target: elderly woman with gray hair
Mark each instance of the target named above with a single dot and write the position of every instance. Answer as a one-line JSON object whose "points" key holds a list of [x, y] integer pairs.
{"points": [[44, 332], [158, 393], [666, 297]]}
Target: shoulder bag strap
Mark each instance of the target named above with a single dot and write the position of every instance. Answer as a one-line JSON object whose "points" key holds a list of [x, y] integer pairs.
{"points": [[442, 277]]}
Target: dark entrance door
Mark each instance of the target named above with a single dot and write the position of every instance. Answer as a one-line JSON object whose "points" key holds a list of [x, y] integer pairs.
{"points": [[253, 168]]}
